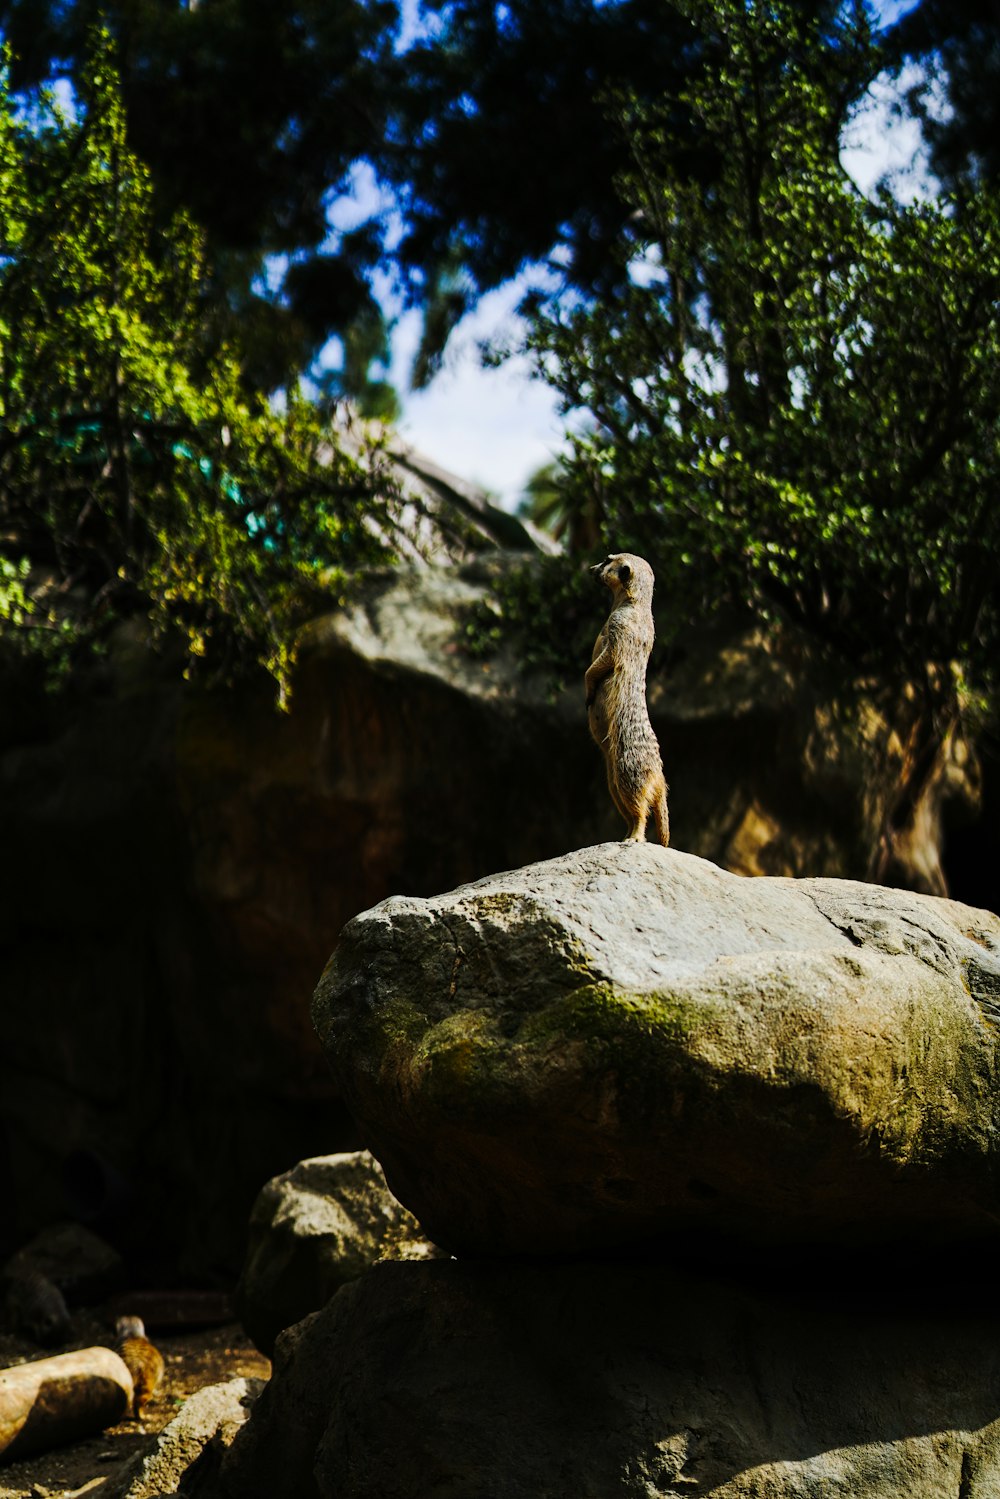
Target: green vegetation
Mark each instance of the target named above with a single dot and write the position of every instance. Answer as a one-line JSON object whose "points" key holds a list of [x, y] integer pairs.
{"points": [[247, 115], [481, 123], [792, 391], [138, 471], [795, 396]]}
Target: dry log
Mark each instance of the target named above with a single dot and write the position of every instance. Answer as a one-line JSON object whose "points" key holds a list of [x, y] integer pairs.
{"points": [[61, 1399]]}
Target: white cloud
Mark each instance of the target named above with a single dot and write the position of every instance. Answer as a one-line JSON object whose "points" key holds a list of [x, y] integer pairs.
{"points": [[492, 426]]}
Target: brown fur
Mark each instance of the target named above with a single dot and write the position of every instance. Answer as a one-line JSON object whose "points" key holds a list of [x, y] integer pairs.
{"points": [[142, 1360], [616, 697]]}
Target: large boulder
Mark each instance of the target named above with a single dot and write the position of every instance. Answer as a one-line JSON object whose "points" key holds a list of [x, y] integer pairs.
{"points": [[312, 1230], [506, 1381], [628, 1045]]}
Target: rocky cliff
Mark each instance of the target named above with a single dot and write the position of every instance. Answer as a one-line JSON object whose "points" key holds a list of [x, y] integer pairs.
{"points": [[178, 861]]}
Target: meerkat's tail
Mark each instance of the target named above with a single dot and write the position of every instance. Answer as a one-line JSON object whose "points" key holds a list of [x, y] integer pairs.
{"points": [[661, 815]]}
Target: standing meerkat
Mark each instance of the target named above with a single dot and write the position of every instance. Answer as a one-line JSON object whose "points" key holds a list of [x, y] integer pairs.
{"points": [[616, 697]]}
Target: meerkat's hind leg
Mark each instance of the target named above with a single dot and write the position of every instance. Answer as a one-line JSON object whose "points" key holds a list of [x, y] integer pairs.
{"points": [[637, 819], [616, 796]]}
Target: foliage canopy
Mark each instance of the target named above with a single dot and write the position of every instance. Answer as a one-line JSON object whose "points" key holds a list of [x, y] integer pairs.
{"points": [[137, 470], [248, 116], [795, 394], [793, 389], [480, 121]]}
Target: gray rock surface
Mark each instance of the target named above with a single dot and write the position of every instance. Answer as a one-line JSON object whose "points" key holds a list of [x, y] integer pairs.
{"points": [[312, 1229], [627, 1044], [489, 1381], [187, 1452]]}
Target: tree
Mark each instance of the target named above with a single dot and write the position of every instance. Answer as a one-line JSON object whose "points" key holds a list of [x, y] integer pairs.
{"points": [[137, 473], [502, 155], [484, 126], [248, 115], [486, 131], [796, 398], [956, 45]]}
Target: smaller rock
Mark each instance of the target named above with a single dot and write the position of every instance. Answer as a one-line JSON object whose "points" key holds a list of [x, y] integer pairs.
{"points": [[79, 1262], [33, 1306], [188, 1450], [312, 1230]]}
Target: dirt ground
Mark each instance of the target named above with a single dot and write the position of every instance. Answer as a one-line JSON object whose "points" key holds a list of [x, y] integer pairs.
{"points": [[193, 1359]]}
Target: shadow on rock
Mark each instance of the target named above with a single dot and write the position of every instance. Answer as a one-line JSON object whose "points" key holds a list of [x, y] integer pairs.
{"points": [[506, 1381]]}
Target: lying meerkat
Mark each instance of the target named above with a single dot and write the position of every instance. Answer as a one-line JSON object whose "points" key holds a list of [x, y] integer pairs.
{"points": [[616, 697]]}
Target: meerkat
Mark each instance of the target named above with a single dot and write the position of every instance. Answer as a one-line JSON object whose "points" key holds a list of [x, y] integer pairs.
{"points": [[616, 697], [141, 1359]]}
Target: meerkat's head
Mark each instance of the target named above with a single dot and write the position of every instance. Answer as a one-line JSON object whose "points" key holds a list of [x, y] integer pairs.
{"points": [[129, 1327], [627, 576]]}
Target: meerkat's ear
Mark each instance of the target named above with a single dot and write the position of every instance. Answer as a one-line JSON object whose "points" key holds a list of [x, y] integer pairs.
{"points": [[624, 572]]}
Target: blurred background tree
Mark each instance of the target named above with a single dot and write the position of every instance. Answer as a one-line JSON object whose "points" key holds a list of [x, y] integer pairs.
{"points": [[137, 468], [248, 115], [481, 126], [795, 387], [955, 92], [824, 365]]}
